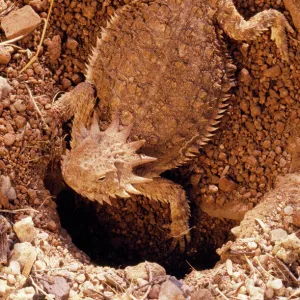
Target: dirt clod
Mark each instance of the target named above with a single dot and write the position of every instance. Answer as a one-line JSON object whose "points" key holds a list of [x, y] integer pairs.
{"points": [[20, 22]]}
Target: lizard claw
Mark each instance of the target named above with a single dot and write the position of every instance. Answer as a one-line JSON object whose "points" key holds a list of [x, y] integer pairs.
{"points": [[180, 234], [278, 34]]}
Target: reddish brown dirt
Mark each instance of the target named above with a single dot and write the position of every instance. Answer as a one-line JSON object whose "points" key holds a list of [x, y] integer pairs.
{"points": [[252, 143]]}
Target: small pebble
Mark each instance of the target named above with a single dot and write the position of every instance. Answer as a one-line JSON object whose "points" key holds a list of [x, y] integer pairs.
{"points": [[275, 284], [288, 210], [80, 278], [5, 55], [277, 234]]}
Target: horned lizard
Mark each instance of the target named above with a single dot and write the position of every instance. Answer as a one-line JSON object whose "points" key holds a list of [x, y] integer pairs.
{"points": [[162, 79]]}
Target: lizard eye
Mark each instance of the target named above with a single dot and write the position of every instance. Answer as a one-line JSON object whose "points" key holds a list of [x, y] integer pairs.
{"points": [[101, 178]]}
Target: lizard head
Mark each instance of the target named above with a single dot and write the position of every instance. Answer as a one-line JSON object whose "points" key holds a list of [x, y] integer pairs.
{"points": [[100, 164]]}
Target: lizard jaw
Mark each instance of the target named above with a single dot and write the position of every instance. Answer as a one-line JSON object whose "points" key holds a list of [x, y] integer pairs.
{"points": [[104, 155]]}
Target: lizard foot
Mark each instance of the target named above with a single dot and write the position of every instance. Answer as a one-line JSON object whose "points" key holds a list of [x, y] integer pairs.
{"points": [[278, 35], [180, 234], [164, 190]]}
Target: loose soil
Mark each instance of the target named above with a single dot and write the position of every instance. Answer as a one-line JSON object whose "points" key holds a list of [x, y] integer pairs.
{"points": [[254, 145]]}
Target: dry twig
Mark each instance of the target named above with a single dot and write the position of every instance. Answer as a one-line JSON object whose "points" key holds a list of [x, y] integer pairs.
{"points": [[34, 58], [280, 264], [15, 211], [35, 105], [47, 296], [220, 293], [150, 279]]}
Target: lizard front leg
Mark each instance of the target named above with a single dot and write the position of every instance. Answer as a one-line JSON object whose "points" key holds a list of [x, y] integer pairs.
{"points": [[164, 190], [81, 99], [240, 29]]}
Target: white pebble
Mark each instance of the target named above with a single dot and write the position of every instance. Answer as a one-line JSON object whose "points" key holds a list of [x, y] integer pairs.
{"points": [[252, 245], [236, 275], [275, 284], [43, 235], [80, 278], [278, 234], [14, 267], [40, 265], [29, 290], [263, 259], [288, 210], [74, 267], [11, 279], [229, 267], [25, 230]]}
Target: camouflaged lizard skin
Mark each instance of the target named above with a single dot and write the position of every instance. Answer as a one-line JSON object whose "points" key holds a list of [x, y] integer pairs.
{"points": [[162, 78]]}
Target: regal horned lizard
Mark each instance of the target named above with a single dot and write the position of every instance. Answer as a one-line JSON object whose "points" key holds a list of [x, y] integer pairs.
{"points": [[162, 78]]}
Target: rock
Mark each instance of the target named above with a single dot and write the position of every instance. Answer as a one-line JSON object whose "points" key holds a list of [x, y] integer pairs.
{"points": [[71, 44], [229, 267], [40, 265], [66, 83], [80, 278], [256, 293], [25, 230], [5, 55], [272, 72], [288, 248], [251, 246], [43, 235], [296, 218], [229, 210], [252, 161], [202, 294], [20, 105], [291, 241], [11, 279], [5, 290], [3, 5], [227, 185], [54, 48], [9, 139], [255, 110], [141, 271], [245, 76], [244, 105], [20, 22], [87, 288], [154, 292], [26, 293], [74, 267], [20, 121], [269, 293], [52, 225], [169, 290], [13, 268], [213, 188], [288, 210], [38, 5], [57, 286], [25, 254], [275, 284], [277, 234], [6, 189]]}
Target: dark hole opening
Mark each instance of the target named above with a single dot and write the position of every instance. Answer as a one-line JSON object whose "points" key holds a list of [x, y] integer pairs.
{"points": [[114, 236]]}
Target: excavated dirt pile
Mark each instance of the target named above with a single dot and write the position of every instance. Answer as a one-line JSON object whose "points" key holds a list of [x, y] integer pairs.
{"points": [[44, 223]]}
